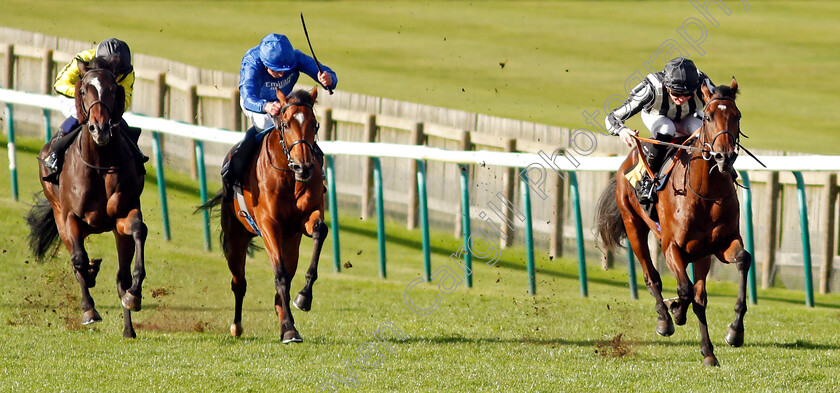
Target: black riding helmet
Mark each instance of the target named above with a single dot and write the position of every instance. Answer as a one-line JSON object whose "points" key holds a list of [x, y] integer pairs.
{"points": [[681, 75], [113, 46]]}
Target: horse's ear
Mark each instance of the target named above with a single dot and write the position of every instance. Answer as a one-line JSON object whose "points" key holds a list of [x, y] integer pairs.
{"points": [[734, 86], [314, 94], [281, 97], [83, 67], [119, 103], [707, 95], [77, 95]]}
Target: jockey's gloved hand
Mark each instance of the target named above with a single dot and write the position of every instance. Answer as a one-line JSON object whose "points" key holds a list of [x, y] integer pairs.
{"points": [[626, 135]]}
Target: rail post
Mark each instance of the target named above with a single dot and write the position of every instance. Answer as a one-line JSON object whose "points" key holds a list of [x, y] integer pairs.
{"points": [[806, 239], [631, 272], [334, 215], [202, 190], [161, 183], [465, 212], [424, 220], [525, 194], [380, 214], [573, 189], [748, 227]]}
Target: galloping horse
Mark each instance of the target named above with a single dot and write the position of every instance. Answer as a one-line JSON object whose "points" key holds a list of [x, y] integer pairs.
{"points": [[283, 191], [99, 190], [699, 215]]}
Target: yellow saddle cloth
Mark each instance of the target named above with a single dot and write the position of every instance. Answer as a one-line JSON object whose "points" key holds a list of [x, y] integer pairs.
{"points": [[634, 175]]}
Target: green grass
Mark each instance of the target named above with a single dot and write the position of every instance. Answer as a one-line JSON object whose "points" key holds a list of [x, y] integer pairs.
{"points": [[560, 57], [490, 338]]}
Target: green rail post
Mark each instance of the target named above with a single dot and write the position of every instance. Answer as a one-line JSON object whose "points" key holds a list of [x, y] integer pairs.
{"points": [[465, 212], [202, 190], [424, 220], [748, 226], [333, 215], [380, 214], [631, 271], [573, 189], [10, 132], [806, 239], [161, 182], [529, 235], [690, 270], [47, 126]]}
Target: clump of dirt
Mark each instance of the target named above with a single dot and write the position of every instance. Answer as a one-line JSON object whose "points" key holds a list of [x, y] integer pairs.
{"points": [[158, 293], [614, 348]]}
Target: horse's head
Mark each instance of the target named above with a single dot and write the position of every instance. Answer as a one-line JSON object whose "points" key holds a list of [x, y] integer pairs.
{"points": [[298, 127], [721, 125], [100, 101]]}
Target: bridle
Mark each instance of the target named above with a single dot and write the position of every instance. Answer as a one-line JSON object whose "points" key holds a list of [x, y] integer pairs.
{"points": [[86, 110], [707, 151], [281, 128]]}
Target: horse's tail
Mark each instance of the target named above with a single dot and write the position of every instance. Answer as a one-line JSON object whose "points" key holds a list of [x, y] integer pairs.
{"points": [[610, 224], [209, 206], [43, 233]]}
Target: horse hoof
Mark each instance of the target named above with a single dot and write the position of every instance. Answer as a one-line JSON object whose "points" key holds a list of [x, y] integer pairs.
{"points": [[711, 361], [291, 336], [129, 334], [664, 328], [90, 316], [131, 302], [236, 330], [734, 337], [302, 303]]}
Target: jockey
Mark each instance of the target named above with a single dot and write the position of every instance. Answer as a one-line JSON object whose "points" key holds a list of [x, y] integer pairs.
{"points": [[65, 86], [271, 65], [671, 104]]}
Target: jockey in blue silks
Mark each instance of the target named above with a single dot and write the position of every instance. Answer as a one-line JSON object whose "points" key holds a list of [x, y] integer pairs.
{"points": [[271, 65]]}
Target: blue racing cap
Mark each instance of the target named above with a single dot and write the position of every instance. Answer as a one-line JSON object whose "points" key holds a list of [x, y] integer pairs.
{"points": [[277, 53]]}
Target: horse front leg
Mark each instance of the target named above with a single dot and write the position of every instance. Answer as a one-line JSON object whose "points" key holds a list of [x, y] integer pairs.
{"points": [[316, 228], [125, 252], [743, 260], [701, 270], [132, 225], [637, 232], [677, 264], [74, 236], [279, 254]]}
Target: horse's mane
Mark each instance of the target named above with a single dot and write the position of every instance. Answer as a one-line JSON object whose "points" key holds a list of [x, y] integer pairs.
{"points": [[726, 91], [301, 96]]}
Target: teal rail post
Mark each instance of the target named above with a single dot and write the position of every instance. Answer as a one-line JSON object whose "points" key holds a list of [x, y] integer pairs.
{"points": [[202, 190], [333, 215], [47, 126], [631, 271], [748, 226], [573, 189], [161, 182], [806, 239], [529, 235], [424, 220], [10, 132], [465, 212], [380, 214]]}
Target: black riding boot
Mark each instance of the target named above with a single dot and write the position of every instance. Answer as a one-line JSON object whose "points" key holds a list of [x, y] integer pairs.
{"points": [[656, 157], [233, 170], [55, 159], [133, 136], [319, 154]]}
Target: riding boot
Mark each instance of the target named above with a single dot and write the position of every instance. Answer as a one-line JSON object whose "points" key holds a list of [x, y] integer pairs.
{"points": [[133, 136], [319, 154], [233, 171], [58, 146], [656, 157]]}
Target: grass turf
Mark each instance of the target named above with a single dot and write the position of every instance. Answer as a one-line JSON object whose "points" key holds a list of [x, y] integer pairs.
{"points": [[541, 61], [490, 338]]}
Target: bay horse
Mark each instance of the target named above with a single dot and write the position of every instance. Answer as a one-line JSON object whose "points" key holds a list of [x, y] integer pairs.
{"points": [[98, 190], [699, 214], [283, 191]]}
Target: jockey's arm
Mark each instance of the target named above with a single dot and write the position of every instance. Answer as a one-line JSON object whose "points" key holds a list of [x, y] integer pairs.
{"points": [[307, 65]]}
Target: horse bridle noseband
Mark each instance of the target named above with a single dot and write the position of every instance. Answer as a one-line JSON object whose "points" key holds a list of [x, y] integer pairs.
{"points": [[281, 128]]}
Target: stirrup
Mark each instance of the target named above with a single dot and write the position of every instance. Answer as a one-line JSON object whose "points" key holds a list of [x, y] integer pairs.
{"points": [[51, 162]]}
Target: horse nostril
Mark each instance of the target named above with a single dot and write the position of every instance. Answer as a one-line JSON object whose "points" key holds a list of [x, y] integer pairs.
{"points": [[296, 168], [718, 156]]}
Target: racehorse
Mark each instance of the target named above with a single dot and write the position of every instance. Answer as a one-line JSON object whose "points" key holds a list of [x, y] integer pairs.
{"points": [[98, 190], [699, 213], [282, 198]]}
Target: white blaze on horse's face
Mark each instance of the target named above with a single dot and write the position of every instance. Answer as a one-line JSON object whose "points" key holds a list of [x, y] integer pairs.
{"points": [[300, 117], [94, 81], [722, 107]]}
